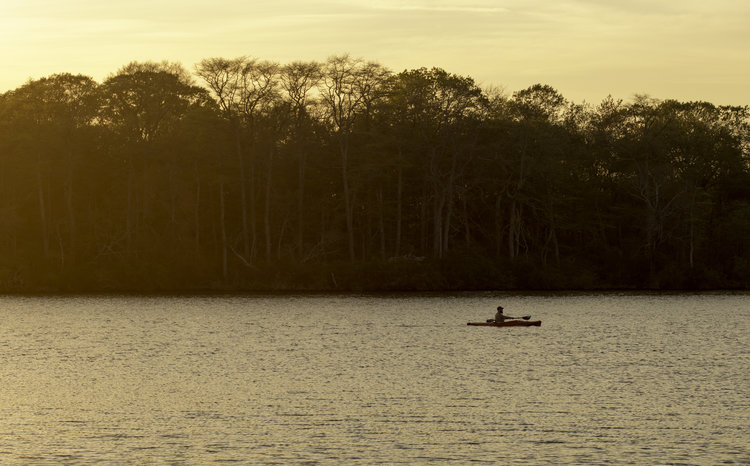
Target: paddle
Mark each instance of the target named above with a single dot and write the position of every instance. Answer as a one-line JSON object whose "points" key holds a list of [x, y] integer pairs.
{"points": [[524, 317]]}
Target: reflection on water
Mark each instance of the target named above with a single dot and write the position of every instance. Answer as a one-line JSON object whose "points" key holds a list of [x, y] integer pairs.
{"points": [[606, 378]]}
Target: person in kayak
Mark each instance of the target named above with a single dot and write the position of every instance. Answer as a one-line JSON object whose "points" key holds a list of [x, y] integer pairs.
{"points": [[500, 317]]}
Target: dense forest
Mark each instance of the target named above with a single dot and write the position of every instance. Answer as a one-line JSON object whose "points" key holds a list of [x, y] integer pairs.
{"points": [[343, 175]]}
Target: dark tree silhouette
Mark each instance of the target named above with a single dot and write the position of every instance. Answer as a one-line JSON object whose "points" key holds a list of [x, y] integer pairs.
{"points": [[343, 175]]}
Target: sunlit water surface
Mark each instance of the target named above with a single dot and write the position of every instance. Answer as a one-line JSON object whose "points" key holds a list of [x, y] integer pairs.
{"points": [[638, 379]]}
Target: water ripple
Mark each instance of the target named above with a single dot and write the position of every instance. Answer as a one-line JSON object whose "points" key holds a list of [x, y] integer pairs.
{"points": [[610, 378]]}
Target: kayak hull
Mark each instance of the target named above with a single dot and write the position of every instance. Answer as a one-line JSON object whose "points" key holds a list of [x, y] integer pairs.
{"points": [[509, 323]]}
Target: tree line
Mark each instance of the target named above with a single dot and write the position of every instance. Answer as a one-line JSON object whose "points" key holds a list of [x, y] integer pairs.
{"points": [[248, 174]]}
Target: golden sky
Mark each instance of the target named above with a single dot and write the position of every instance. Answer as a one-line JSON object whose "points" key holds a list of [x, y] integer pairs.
{"points": [[586, 49]]}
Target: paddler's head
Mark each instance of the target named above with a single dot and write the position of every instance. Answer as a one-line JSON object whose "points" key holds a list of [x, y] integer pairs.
{"points": [[500, 308]]}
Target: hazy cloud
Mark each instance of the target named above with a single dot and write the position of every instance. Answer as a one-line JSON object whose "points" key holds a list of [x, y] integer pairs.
{"points": [[429, 6], [586, 48]]}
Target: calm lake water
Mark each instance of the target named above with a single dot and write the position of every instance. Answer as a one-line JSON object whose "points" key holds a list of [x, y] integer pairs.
{"points": [[642, 379]]}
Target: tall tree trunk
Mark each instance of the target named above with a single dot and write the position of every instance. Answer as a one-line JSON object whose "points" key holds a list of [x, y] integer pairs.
{"points": [[130, 208], [223, 228], [381, 222], [437, 223], [514, 230], [280, 241], [692, 242], [72, 233], [197, 210], [301, 203], [467, 226], [267, 210], [243, 193], [423, 223], [449, 203], [691, 253], [447, 222], [42, 212], [551, 240], [438, 203], [498, 226], [61, 245], [344, 149], [253, 209], [399, 202]]}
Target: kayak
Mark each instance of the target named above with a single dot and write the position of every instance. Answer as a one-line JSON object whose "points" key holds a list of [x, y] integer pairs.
{"points": [[509, 323]]}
